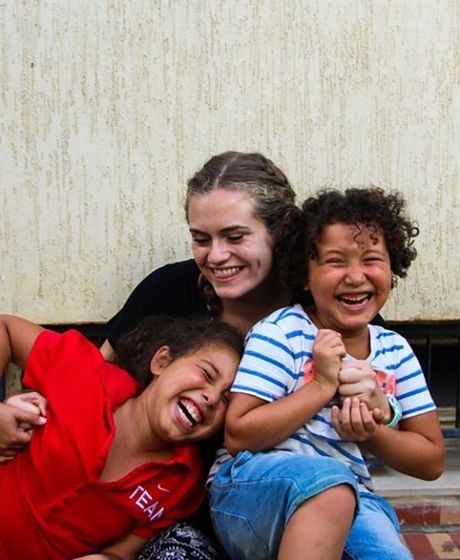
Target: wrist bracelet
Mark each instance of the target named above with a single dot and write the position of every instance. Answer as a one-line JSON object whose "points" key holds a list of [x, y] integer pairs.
{"points": [[396, 408]]}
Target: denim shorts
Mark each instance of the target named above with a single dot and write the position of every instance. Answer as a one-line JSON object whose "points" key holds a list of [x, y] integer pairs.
{"points": [[375, 532], [253, 496]]}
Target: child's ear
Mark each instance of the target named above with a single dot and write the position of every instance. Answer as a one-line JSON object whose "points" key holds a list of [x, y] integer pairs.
{"points": [[306, 283], [161, 359]]}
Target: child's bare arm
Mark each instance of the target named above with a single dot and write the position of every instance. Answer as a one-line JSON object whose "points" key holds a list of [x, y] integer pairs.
{"points": [[253, 424], [16, 339], [416, 449]]}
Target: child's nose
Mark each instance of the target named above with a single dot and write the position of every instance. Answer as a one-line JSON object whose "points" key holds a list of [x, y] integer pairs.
{"points": [[210, 398], [355, 276]]}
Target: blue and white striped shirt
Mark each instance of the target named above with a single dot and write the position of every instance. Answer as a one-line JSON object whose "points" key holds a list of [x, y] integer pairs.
{"points": [[273, 367]]}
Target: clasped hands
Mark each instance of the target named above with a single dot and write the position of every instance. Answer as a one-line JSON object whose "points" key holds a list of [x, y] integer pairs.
{"points": [[19, 415], [364, 406]]}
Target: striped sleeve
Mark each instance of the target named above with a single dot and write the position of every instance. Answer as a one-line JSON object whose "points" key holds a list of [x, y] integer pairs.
{"points": [[411, 388], [268, 367]]}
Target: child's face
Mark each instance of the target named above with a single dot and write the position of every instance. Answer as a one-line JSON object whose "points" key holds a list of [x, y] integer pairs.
{"points": [[351, 278], [188, 400]]}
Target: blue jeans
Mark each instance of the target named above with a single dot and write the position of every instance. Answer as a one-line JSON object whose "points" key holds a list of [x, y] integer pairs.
{"points": [[253, 496], [375, 532]]}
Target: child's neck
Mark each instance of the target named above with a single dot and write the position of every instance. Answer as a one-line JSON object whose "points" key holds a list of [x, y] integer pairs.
{"points": [[132, 444], [357, 343]]}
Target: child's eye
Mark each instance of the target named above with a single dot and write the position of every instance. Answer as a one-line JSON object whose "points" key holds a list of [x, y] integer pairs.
{"points": [[207, 375], [334, 261]]}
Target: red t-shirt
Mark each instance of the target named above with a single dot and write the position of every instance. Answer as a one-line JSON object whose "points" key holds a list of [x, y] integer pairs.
{"points": [[53, 505]]}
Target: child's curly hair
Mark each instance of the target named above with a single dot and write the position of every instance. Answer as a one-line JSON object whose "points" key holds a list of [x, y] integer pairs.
{"points": [[370, 207]]}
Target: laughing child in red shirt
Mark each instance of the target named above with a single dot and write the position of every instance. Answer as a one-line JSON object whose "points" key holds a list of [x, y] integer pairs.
{"points": [[115, 461]]}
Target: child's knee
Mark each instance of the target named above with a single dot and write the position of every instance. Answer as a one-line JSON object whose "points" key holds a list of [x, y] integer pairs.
{"points": [[337, 502]]}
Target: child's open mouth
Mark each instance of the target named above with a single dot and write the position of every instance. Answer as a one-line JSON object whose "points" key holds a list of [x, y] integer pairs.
{"points": [[189, 415], [354, 301]]}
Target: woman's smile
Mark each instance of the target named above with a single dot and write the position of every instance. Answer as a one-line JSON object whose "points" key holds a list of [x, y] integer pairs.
{"points": [[225, 273]]}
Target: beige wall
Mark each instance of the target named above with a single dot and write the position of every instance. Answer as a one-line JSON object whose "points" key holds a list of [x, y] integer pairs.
{"points": [[108, 106]]}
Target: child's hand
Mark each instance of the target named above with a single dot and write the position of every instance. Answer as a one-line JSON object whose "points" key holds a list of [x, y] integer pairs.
{"points": [[31, 402], [358, 379], [17, 417], [355, 422], [13, 438], [328, 351]]}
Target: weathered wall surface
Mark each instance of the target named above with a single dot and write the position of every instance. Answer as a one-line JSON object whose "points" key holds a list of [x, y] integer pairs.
{"points": [[107, 107]]}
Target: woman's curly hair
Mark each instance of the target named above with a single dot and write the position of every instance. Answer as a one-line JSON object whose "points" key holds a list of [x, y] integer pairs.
{"points": [[373, 208], [135, 350], [274, 204]]}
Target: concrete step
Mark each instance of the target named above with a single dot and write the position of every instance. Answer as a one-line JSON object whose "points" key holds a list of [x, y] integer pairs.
{"points": [[424, 505]]}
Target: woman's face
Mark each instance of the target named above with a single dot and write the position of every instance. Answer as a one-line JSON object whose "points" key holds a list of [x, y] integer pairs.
{"points": [[231, 246]]}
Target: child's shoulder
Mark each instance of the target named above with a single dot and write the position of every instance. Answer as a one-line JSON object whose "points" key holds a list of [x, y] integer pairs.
{"points": [[294, 311], [285, 318], [387, 338]]}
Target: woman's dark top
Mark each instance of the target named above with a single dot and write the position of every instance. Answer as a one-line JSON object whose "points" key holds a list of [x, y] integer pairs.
{"points": [[169, 290]]}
